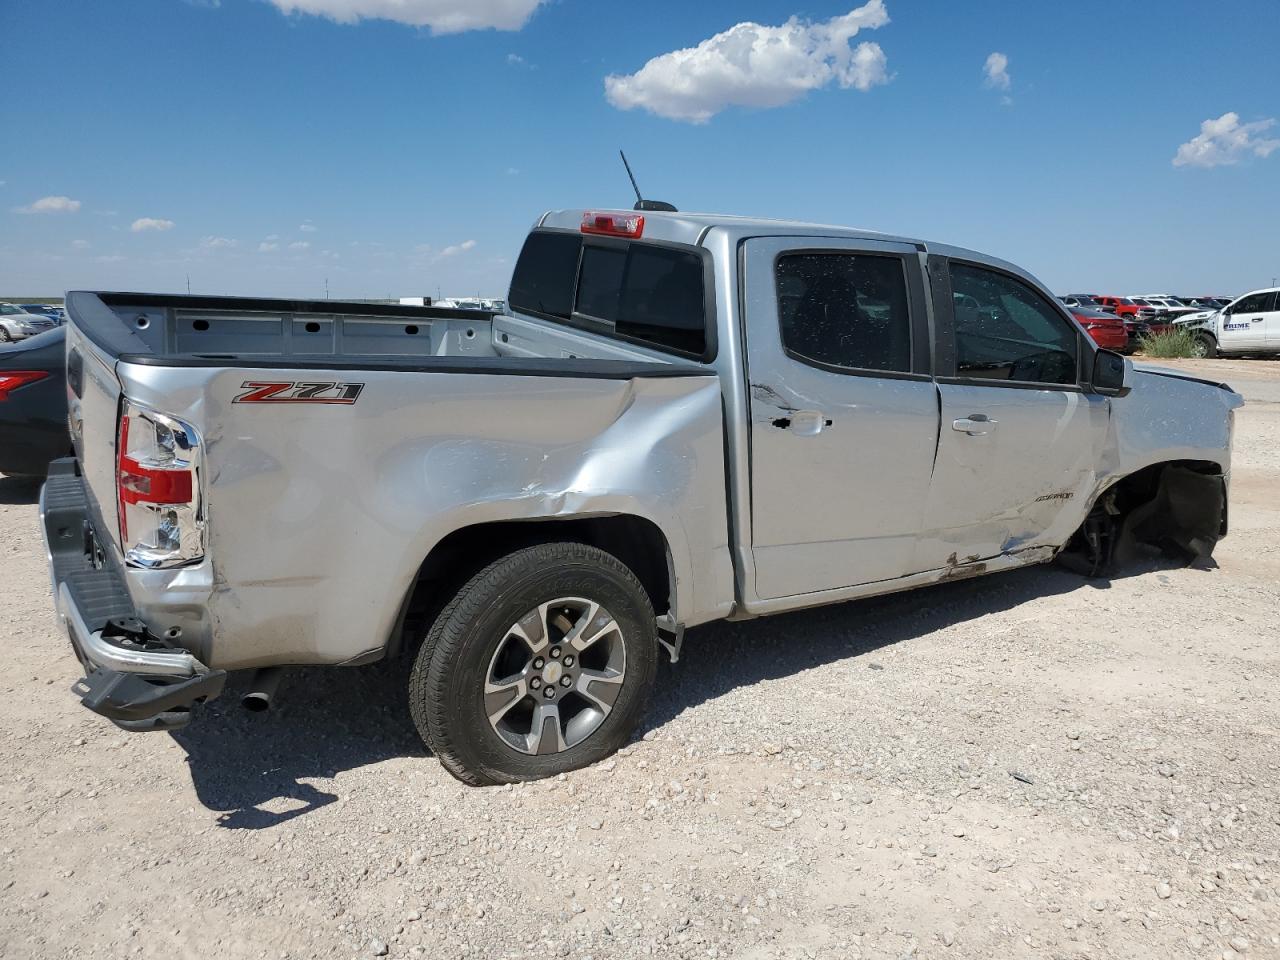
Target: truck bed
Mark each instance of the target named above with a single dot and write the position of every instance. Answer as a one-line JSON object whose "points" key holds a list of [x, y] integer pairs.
{"points": [[449, 419], [173, 330]]}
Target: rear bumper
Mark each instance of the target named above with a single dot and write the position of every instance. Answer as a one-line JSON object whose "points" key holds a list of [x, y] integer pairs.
{"points": [[138, 681]]}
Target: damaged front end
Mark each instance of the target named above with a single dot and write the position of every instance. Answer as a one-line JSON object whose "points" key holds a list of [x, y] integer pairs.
{"points": [[1178, 508]]}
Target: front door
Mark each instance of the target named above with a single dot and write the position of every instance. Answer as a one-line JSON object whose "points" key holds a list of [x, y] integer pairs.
{"points": [[1020, 441], [844, 412], [1244, 323]]}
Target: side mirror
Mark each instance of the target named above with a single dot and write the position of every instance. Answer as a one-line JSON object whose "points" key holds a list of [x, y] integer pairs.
{"points": [[1110, 374]]}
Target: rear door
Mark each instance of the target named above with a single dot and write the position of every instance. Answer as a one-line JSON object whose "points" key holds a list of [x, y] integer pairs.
{"points": [[1244, 323], [1271, 322], [844, 412], [1020, 439]]}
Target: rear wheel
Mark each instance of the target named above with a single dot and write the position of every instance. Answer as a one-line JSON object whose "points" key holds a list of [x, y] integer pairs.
{"points": [[1204, 346], [5, 335], [541, 664]]}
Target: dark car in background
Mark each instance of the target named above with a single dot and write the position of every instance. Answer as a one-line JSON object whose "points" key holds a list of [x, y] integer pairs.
{"points": [[33, 404]]}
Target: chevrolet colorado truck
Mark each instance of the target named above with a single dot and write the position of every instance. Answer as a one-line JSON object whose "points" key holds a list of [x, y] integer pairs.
{"points": [[678, 418]]}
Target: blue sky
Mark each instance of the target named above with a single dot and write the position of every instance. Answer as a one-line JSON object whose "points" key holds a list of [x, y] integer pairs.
{"points": [[262, 152]]}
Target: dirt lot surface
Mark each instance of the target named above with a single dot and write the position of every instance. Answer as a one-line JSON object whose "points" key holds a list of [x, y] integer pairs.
{"points": [[1027, 765]]}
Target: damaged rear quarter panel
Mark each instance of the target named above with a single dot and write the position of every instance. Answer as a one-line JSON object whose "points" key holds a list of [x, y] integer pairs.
{"points": [[319, 516]]}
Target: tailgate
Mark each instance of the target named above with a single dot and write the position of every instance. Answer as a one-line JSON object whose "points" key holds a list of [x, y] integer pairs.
{"points": [[93, 404]]}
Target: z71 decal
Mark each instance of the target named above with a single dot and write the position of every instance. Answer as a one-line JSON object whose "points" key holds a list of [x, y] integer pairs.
{"points": [[257, 391]]}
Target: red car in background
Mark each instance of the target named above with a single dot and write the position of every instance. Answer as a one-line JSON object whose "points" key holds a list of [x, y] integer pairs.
{"points": [[1107, 330], [1120, 306]]}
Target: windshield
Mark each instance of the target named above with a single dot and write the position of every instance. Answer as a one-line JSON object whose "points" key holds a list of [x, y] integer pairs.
{"points": [[8, 310]]}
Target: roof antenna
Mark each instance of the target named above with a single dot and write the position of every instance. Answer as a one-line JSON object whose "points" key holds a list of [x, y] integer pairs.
{"points": [[656, 206]]}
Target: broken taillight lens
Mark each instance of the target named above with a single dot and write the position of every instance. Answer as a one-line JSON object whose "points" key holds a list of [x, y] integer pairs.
{"points": [[158, 461]]}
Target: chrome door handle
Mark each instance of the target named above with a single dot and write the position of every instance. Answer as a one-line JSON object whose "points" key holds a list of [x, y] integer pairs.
{"points": [[975, 425]]}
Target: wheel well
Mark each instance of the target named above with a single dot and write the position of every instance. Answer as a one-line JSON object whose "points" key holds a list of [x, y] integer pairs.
{"points": [[1179, 506], [1141, 486], [637, 542]]}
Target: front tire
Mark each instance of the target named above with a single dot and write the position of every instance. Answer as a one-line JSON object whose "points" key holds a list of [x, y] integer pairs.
{"points": [[542, 663], [1207, 347]]}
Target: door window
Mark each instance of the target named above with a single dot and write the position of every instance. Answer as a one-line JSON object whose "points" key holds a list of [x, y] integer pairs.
{"points": [[1254, 303], [1006, 331], [845, 311]]}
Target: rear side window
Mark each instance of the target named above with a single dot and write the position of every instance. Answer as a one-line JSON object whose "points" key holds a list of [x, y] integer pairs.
{"points": [[644, 292], [546, 274], [663, 299], [845, 310]]}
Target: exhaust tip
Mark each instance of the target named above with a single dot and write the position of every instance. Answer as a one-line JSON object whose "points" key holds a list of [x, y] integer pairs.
{"points": [[262, 690], [256, 702]]}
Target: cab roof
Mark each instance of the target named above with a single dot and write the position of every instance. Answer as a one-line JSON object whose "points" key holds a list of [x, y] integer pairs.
{"points": [[692, 228]]}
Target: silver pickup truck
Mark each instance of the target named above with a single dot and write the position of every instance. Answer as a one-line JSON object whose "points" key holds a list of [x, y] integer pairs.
{"points": [[679, 418]]}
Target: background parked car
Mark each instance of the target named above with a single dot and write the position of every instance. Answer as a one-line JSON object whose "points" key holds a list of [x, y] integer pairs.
{"points": [[52, 311], [1248, 325], [1120, 306], [1082, 300], [1137, 330], [17, 324], [33, 404], [1106, 329]]}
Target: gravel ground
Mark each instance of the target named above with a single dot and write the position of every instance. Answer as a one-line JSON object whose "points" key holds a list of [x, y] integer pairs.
{"points": [[1026, 765]]}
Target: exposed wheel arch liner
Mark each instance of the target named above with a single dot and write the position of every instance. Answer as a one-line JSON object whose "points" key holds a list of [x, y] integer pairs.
{"points": [[1178, 506]]}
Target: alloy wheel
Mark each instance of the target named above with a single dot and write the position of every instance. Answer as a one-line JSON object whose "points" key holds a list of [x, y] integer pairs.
{"points": [[555, 676]]}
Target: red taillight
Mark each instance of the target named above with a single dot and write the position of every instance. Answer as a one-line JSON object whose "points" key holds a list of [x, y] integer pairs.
{"points": [[138, 484], [11, 380], [629, 225], [158, 494]]}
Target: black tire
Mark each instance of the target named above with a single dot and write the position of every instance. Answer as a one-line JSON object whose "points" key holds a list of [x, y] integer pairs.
{"points": [[1209, 344], [5, 335], [446, 687]]}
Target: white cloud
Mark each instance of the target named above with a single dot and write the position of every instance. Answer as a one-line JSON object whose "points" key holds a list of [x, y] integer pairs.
{"points": [[266, 246], [458, 248], [300, 245], [150, 223], [112, 258], [80, 244], [52, 205], [996, 71], [440, 16], [750, 65], [512, 58], [1226, 141], [217, 243], [308, 227]]}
